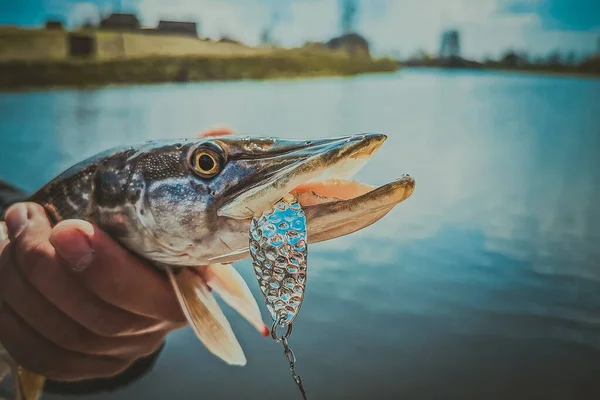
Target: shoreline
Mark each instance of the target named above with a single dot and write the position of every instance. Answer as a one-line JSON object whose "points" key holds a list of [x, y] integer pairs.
{"points": [[19, 76], [527, 71], [83, 87]]}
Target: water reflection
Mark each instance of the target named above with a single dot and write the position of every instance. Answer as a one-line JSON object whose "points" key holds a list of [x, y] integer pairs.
{"points": [[484, 284]]}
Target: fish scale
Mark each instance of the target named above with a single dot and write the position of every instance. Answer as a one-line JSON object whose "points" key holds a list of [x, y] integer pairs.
{"points": [[279, 253]]}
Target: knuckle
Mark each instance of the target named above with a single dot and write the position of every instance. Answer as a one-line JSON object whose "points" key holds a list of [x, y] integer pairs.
{"points": [[118, 324], [151, 346], [73, 338], [106, 328], [35, 208], [32, 254]]}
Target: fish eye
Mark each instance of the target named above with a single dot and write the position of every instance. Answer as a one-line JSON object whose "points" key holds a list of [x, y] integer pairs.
{"points": [[206, 163]]}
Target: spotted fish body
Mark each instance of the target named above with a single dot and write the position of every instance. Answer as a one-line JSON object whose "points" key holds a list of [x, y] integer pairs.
{"points": [[279, 252]]}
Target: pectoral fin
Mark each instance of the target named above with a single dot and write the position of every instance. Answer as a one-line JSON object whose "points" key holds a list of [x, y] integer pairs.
{"points": [[28, 385], [232, 288], [205, 316]]}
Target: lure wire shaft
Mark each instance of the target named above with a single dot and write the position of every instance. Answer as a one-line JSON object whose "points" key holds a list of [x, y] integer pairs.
{"points": [[289, 354]]}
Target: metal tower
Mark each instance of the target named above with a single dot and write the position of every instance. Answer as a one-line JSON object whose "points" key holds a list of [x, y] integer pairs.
{"points": [[450, 46]]}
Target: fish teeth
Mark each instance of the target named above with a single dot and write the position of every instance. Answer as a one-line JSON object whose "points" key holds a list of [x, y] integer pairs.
{"points": [[343, 170]]}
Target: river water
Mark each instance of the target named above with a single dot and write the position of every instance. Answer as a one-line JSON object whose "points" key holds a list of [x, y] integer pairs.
{"points": [[485, 284]]}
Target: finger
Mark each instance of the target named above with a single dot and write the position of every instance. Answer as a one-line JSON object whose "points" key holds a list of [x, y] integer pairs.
{"points": [[62, 330], [113, 273], [3, 236], [3, 232], [37, 259], [18, 215], [215, 131], [37, 354]]}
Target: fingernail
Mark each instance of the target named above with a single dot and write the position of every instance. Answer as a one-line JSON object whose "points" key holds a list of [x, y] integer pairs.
{"points": [[75, 248], [16, 219], [3, 232]]}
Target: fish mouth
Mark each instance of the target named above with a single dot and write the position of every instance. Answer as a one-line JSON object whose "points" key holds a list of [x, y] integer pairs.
{"points": [[320, 178], [322, 167]]}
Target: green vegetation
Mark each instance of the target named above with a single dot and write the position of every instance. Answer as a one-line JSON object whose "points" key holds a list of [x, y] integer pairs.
{"points": [[279, 64], [553, 64]]}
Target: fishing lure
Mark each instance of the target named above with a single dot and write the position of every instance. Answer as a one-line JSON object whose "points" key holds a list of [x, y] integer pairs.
{"points": [[278, 246]]}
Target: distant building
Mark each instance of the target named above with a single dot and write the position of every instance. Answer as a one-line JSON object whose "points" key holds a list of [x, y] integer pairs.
{"points": [[120, 21], [54, 24], [180, 27], [351, 43], [81, 45]]}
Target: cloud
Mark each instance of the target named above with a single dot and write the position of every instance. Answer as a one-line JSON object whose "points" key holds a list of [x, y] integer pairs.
{"points": [[81, 13], [315, 20], [574, 15]]}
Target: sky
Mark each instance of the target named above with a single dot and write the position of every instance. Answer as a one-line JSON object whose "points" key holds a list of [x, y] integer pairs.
{"points": [[396, 27]]}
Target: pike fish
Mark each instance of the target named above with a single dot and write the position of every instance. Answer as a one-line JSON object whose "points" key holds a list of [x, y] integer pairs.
{"points": [[187, 205]]}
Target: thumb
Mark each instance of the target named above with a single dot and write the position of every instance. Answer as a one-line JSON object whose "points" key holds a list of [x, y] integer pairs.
{"points": [[70, 239]]}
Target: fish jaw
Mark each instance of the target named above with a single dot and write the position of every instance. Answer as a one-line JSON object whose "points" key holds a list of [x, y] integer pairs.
{"points": [[332, 212], [330, 220], [340, 157]]}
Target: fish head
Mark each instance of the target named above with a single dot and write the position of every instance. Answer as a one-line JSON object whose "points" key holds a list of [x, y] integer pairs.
{"points": [[200, 197]]}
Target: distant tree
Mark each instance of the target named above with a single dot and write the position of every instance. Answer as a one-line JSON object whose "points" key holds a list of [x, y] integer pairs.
{"points": [[487, 58], [554, 58], [539, 60], [349, 9], [510, 58], [524, 57], [571, 58], [586, 56]]}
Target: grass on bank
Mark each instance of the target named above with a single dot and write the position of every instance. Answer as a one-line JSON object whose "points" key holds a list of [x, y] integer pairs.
{"points": [[279, 64]]}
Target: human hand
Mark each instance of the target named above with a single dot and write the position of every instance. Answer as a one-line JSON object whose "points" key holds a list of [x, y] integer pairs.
{"points": [[74, 304]]}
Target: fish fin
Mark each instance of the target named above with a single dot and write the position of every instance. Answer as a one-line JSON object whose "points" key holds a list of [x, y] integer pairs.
{"points": [[205, 316], [30, 384], [232, 288]]}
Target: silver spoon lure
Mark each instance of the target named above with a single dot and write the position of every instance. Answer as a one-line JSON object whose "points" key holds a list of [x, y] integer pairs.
{"points": [[278, 246]]}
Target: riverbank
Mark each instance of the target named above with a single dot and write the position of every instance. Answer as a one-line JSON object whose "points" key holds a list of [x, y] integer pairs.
{"points": [[21, 75], [588, 68], [574, 73]]}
